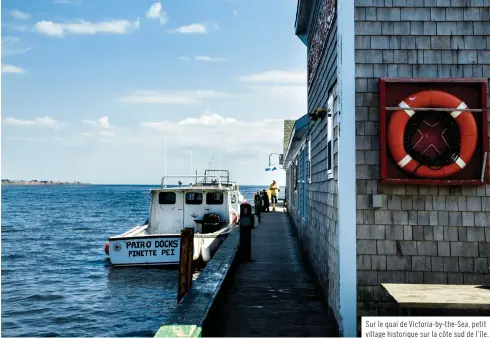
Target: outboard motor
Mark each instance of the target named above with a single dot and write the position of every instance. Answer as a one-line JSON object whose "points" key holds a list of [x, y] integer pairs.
{"points": [[210, 223]]}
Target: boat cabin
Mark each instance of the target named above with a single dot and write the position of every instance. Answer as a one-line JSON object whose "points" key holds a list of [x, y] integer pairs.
{"points": [[206, 208]]}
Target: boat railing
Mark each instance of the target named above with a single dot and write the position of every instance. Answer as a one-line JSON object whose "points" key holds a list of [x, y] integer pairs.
{"points": [[190, 176]]}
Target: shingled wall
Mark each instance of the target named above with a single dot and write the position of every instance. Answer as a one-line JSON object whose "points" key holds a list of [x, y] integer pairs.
{"points": [[422, 234]]}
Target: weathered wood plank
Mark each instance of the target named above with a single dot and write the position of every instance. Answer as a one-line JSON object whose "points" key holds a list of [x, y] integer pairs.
{"points": [[273, 295], [440, 296]]}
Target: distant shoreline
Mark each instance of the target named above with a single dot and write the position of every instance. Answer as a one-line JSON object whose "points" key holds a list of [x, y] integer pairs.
{"points": [[39, 183]]}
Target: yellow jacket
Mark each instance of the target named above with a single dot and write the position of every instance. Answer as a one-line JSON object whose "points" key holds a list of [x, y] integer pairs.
{"points": [[274, 188]]}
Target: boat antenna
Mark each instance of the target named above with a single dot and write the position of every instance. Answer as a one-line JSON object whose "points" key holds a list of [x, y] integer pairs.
{"points": [[190, 168], [211, 162], [165, 156]]}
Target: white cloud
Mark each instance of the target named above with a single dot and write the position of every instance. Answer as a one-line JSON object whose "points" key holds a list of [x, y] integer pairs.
{"points": [[13, 69], [82, 27], [10, 40], [195, 28], [107, 133], [45, 121], [19, 28], [295, 93], [235, 12], [155, 13], [214, 132], [103, 122], [19, 15], [208, 58], [277, 76], [67, 2], [8, 46], [202, 58], [173, 97]]}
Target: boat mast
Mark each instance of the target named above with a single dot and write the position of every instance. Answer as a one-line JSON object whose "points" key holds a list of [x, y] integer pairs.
{"points": [[165, 155], [190, 168]]}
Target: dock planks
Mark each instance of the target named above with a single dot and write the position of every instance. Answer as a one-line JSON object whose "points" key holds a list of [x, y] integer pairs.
{"points": [[273, 295]]}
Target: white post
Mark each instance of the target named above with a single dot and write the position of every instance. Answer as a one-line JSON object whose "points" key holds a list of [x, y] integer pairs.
{"points": [[347, 168]]}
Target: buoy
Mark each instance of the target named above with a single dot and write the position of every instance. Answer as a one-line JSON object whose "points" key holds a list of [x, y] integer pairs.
{"points": [[106, 248], [432, 98]]}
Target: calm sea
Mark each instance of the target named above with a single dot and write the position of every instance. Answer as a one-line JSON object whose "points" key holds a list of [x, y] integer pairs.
{"points": [[55, 277]]}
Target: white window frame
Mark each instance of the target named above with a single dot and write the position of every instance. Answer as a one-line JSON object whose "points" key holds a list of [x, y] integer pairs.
{"points": [[308, 161], [330, 113]]}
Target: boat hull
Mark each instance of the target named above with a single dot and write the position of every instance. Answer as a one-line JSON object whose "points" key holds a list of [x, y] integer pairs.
{"points": [[164, 250], [145, 250]]}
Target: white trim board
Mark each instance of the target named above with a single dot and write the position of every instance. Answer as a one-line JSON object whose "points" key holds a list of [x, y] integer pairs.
{"points": [[347, 168]]}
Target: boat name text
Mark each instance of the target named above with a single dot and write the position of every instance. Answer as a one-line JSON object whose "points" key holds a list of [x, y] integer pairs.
{"points": [[168, 248]]}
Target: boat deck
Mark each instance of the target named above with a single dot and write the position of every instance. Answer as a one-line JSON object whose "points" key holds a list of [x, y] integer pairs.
{"points": [[273, 295]]}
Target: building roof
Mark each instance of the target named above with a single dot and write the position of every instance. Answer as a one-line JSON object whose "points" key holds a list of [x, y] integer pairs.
{"points": [[288, 128], [298, 133], [303, 11]]}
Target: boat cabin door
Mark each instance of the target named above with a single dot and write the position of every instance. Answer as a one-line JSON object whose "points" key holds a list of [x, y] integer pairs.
{"points": [[168, 213]]}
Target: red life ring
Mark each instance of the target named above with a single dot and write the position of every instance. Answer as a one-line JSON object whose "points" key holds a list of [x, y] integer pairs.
{"points": [[431, 98]]}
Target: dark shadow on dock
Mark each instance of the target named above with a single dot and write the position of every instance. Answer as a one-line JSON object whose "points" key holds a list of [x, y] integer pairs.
{"points": [[274, 295]]}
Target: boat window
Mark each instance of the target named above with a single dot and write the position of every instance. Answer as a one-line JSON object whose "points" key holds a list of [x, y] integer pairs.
{"points": [[193, 198], [214, 198], [233, 199], [166, 197]]}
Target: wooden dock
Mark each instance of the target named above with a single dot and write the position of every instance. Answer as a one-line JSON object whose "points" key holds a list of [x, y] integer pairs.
{"points": [[273, 295]]}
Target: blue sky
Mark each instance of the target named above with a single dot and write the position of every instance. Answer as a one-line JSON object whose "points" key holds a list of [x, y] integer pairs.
{"points": [[91, 87]]}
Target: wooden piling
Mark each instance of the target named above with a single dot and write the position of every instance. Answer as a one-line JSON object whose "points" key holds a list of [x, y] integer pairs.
{"points": [[185, 262]]}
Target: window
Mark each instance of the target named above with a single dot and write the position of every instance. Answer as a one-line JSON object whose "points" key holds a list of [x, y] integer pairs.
{"points": [[214, 198], [308, 162], [193, 198], [295, 175], [233, 199], [330, 113], [166, 197]]}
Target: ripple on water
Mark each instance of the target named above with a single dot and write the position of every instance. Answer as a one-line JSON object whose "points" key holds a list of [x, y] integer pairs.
{"points": [[43, 298]]}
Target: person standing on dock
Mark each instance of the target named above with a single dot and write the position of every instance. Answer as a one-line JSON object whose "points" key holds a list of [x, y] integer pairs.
{"points": [[274, 189], [265, 201]]}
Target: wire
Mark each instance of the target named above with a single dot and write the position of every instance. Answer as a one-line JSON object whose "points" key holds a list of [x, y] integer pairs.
{"points": [[452, 137]]}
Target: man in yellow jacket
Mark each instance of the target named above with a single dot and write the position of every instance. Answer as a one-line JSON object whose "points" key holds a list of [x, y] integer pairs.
{"points": [[274, 189]]}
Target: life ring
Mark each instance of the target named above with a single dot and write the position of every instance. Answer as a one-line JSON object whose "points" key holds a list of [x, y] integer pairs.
{"points": [[468, 132]]}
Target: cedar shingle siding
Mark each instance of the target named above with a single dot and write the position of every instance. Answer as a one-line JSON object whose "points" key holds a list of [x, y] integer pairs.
{"points": [[442, 233]]}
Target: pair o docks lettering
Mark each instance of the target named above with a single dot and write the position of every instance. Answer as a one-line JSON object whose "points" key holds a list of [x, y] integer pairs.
{"points": [[147, 249]]}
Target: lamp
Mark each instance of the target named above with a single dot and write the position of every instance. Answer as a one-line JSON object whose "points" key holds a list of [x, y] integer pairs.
{"points": [[319, 113], [274, 167]]}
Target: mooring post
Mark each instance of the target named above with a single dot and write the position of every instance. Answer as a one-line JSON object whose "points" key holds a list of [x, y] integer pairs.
{"points": [[257, 205], [246, 223], [185, 262]]}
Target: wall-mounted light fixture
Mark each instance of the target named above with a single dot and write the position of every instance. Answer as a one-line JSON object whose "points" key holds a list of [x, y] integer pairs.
{"points": [[319, 113]]}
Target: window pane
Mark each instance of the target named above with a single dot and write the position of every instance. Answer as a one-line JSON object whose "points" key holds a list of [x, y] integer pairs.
{"points": [[214, 198], [166, 198], [193, 198], [329, 154]]}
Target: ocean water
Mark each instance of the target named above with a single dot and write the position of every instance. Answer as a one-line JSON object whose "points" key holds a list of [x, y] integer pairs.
{"points": [[56, 280]]}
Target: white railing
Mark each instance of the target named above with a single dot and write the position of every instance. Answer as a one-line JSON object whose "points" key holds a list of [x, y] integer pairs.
{"points": [[190, 176]]}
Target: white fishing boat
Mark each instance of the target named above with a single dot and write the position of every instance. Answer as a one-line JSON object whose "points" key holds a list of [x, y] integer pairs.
{"points": [[211, 206]]}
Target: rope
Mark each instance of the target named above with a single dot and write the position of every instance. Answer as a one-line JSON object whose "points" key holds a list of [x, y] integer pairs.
{"points": [[448, 156]]}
